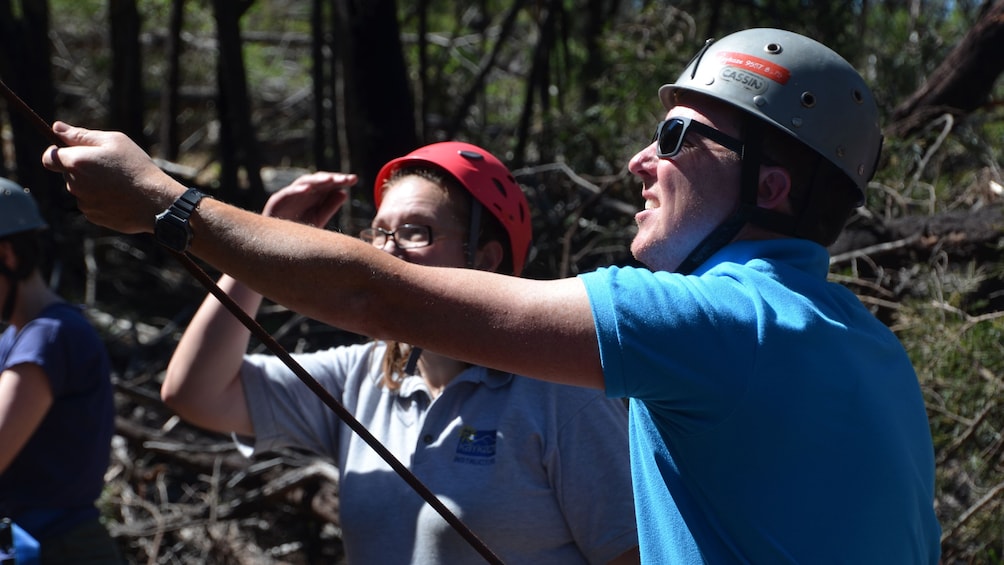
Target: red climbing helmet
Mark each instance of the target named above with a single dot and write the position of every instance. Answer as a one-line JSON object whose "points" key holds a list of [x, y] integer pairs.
{"points": [[485, 177]]}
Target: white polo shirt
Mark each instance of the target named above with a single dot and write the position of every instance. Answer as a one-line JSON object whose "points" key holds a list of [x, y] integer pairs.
{"points": [[538, 471]]}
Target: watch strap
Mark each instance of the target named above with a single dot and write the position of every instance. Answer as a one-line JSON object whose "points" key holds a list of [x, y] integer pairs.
{"points": [[171, 226], [186, 203]]}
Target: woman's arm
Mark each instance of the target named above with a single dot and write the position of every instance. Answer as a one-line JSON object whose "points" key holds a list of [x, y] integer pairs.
{"points": [[25, 398], [203, 382]]}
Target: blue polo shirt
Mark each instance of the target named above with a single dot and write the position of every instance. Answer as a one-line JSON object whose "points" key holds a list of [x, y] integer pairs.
{"points": [[773, 418]]}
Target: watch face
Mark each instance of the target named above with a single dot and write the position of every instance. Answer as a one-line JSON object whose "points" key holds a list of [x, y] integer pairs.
{"points": [[171, 231], [171, 226]]}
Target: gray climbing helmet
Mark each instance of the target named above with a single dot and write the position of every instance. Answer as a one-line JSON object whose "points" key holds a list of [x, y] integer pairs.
{"points": [[18, 211], [796, 84]]}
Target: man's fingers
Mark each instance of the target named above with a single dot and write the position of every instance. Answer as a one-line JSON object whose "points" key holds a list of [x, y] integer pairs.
{"points": [[50, 160], [69, 134]]}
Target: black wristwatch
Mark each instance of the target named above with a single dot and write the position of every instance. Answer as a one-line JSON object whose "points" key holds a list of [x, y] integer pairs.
{"points": [[171, 228]]}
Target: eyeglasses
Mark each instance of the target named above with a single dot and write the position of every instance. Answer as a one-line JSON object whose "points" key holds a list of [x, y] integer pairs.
{"points": [[671, 133], [406, 236]]}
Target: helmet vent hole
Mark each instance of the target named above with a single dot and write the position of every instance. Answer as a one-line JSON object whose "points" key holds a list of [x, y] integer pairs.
{"points": [[808, 99], [773, 48], [472, 155], [500, 187], [858, 97]]}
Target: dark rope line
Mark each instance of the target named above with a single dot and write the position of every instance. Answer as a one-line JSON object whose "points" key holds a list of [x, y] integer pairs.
{"points": [[41, 125], [266, 338]]}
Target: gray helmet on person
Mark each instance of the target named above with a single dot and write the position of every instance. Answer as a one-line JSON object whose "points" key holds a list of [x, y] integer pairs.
{"points": [[18, 210], [796, 84]]}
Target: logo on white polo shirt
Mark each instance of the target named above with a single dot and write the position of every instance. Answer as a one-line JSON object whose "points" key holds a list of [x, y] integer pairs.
{"points": [[476, 447]]}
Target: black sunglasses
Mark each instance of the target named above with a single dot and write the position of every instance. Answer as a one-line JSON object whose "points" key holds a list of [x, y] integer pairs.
{"points": [[671, 133]]}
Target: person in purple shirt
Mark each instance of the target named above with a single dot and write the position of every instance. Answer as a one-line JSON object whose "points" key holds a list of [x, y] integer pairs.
{"points": [[57, 414]]}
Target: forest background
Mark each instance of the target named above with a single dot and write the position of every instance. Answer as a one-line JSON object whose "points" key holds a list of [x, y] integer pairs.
{"points": [[240, 96]]}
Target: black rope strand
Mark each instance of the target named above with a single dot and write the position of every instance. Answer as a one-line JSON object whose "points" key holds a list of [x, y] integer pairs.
{"points": [[41, 125], [266, 338]]}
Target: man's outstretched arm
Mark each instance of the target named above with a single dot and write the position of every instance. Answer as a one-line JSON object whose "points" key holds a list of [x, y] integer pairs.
{"points": [[541, 329]]}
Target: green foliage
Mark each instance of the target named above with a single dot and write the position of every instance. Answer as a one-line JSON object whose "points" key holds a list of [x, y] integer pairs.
{"points": [[81, 16], [951, 164], [902, 47], [960, 364], [952, 328]]}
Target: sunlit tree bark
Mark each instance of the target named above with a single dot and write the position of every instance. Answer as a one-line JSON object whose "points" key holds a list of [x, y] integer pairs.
{"points": [[962, 82]]}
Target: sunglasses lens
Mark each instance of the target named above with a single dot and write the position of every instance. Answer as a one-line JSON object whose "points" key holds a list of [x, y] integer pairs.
{"points": [[670, 136]]}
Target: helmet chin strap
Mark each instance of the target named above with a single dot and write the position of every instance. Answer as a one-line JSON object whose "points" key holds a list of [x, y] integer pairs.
{"points": [[747, 211], [21, 272], [472, 248], [749, 183], [412, 364], [11, 298], [473, 232], [8, 304]]}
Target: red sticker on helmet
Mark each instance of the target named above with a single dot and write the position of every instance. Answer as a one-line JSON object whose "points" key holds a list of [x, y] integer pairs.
{"points": [[756, 65]]}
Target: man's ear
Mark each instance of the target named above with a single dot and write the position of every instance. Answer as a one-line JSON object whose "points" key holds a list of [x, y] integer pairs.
{"points": [[489, 256], [774, 189]]}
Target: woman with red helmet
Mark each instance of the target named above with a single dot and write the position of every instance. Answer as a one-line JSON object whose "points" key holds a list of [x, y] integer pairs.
{"points": [[505, 452]]}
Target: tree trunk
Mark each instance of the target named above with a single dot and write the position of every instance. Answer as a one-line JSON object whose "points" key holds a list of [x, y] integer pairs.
{"points": [[326, 146], [238, 143], [25, 68], [598, 14], [169, 138], [537, 83], [127, 99], [963, 82], [488, 62], [423, 69], [380, 111]]}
